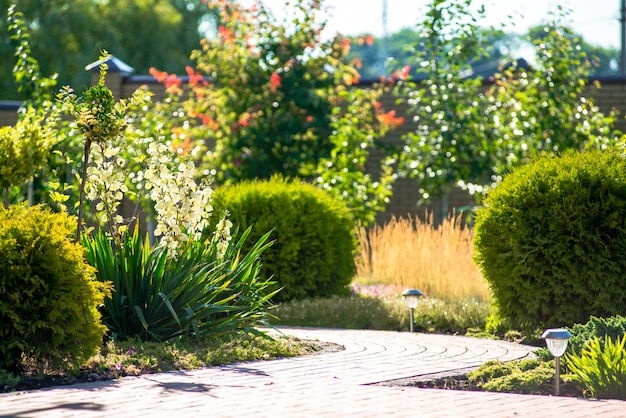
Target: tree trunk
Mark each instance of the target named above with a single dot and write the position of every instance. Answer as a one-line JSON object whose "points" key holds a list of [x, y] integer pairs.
{"points": [[82, 190]]}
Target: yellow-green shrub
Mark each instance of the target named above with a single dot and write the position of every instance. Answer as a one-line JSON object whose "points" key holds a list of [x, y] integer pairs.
{"points": [[48, 295]]}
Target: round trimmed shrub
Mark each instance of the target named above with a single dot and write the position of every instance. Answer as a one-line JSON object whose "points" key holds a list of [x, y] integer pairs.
{"points": [[551, 240], [48, 293], [314, 237]]}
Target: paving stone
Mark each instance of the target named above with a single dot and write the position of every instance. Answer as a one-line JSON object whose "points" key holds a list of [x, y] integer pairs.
{"points": [[350, 382]]}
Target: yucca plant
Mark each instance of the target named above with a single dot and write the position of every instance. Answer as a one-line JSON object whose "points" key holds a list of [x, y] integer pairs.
{"points": [[601, 369], [198, 293]]}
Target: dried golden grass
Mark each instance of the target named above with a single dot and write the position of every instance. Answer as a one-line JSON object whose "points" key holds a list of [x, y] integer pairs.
{"points": [[410, 253]]}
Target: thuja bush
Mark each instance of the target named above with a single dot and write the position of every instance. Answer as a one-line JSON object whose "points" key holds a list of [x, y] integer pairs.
{"points": [[551, 240], [48, 296], [313, 233]]}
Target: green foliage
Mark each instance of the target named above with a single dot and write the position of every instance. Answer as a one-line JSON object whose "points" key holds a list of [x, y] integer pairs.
{"points": [[315, 244], [600, 60], [198, 293], [65, 36], [525, 376], [28, 79], [551, 240], [544, 108], [48, 298], [435, 315], [613, 328], [280, 101], [24, 147], [601, 367], [469, 138], [452, 141], [350, 312], [99, 117], [8, 380]]}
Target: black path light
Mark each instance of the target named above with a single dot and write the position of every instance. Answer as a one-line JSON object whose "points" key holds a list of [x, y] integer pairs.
{"points": [[556, 340], [411, 297]]}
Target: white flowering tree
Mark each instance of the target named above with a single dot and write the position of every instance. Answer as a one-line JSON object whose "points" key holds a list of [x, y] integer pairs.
{"points": [[161, 176]]}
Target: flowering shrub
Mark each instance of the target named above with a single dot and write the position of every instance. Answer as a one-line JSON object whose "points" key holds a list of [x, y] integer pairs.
{"points": [[99, 118], [182, 206], [185, 284], [277, 100]]}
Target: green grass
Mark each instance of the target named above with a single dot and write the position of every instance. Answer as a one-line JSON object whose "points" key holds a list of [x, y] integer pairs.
{"points": [[131, 358], [383, 313]]}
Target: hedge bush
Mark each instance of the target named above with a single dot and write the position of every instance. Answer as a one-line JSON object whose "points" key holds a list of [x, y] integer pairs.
{"points": [[48, 295], [551, 240], [315, 242]]}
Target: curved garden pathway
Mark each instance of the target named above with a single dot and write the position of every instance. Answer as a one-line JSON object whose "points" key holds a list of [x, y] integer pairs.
{"points": [[332, 384]]}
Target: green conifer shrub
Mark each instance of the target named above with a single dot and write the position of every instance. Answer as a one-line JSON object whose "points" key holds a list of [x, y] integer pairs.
{"points": [[315, 241], [551, 240], [613, 328], [48, 294]]}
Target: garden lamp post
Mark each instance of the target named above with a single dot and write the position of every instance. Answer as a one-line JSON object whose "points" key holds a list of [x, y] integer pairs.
{"points": [[556, 340], [411, 297]]}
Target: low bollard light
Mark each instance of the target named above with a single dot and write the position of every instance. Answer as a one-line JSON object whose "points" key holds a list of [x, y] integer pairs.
{"points": [[411, 298], [556, 340]]}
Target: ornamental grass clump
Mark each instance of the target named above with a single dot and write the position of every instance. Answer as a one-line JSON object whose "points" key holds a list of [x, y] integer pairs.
{"points": [[415, 253]]}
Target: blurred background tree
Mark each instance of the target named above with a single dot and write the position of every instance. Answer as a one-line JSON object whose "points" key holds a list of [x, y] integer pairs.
{"points": [[500, 47], [65, 36]]}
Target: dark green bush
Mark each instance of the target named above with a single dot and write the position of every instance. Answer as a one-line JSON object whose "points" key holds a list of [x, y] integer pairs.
{"points": [[551, 240], [613, 327], [315, 243], [48, 296]]}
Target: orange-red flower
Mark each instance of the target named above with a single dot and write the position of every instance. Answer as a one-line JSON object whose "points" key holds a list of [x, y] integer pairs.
{"points": [[275, 82], [345, 45], [208, 121], [244, 119], [195, 78], [402, 74], [226, 34], [390, 119]]}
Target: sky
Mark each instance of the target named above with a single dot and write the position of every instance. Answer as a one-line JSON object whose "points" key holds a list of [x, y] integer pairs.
{"points": [[596, 20]]}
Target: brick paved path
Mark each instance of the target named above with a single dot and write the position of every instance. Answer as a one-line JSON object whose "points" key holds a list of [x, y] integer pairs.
{"points": [[327, 385]]}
